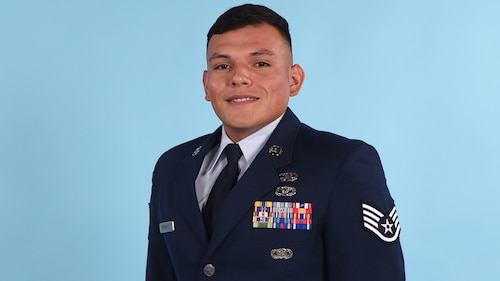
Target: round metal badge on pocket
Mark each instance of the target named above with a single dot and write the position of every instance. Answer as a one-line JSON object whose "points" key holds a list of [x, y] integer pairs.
{"points": [[282, 253]]}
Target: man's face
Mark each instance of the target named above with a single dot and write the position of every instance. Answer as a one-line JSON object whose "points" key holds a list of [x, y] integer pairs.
{"points": [[249, 78]]}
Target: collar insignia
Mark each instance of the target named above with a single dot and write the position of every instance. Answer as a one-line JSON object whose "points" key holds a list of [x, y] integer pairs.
{"points": [[196, 151], [275, 150]]}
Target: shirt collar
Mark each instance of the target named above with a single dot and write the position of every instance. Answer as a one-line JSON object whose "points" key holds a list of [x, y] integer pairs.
{"points": [[250, 146]]}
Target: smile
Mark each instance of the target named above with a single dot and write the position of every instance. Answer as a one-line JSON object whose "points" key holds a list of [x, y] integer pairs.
{"points": [[242, 99]]}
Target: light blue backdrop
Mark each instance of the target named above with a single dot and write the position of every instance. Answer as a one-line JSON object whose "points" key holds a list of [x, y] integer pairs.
{"points": [[92, 92]]}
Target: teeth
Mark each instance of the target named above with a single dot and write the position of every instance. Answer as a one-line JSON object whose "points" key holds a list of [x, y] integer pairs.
{"points": [[243, 99]]}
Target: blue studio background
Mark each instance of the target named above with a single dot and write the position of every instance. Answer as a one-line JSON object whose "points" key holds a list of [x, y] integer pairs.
{"points": [[92, 92]]}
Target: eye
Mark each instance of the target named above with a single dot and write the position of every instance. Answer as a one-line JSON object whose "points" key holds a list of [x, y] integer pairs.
{"points": [[221, 66], [262, 64]]}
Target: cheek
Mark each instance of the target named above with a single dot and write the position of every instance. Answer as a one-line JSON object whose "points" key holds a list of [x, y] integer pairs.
{"points": [[215, 85], [280, 90], [211, 89]]}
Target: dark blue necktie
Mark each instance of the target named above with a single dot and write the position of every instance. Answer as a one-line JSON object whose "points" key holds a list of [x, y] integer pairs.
{"points": [[225, 181]]}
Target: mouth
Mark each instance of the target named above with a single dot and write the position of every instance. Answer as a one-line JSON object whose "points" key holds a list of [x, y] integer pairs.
{"points": [[244, 99]]}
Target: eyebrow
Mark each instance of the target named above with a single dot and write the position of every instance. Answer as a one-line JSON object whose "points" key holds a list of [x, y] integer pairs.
{"points": [[218, 56], [262, 52]]}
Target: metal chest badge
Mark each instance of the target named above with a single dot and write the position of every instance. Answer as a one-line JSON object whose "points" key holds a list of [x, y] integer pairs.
{"points": [[285, 191], [288, 177], [282, 215], [281, 253]]}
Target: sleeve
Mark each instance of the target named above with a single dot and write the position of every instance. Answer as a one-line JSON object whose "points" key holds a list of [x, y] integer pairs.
{"points": [[362, 229], [159, 265]]}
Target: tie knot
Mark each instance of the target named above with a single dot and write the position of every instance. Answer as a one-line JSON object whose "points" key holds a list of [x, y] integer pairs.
{"points": [[233, 152]]}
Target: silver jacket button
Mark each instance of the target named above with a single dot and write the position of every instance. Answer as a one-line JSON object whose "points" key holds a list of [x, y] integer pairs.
{"points": [[209, 270]]}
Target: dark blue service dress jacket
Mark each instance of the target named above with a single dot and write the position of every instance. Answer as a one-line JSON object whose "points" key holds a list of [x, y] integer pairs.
{"points": [[313, 206]]}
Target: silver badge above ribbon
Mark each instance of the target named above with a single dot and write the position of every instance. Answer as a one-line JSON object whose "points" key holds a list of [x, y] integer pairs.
{"points": [[285, 191], [288, 177]]}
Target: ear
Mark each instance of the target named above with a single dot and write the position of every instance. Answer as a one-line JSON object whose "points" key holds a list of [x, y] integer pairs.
{"points": [[297, 76], [204, 81]]}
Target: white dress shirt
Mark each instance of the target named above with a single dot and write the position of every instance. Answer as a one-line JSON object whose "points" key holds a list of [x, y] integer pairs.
{"points": [[214, 162]]}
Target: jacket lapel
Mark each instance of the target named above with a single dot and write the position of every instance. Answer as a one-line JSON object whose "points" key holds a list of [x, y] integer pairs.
{"points": [[185, 191]]}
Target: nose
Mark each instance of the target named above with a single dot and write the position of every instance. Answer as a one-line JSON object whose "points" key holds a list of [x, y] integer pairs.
{"points": [[241, 76]]}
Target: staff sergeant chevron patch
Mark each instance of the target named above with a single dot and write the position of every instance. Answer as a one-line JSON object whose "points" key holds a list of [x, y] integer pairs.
{"points": [[386, 227]]}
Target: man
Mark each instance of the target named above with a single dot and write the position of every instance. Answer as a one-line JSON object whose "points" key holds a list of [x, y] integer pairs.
{"points": [[301, 204]]}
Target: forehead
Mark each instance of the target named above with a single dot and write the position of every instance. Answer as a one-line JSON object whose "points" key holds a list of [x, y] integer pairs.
{"points": [[249, 38]]}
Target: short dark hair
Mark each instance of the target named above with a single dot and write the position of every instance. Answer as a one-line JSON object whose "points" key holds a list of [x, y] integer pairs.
{"points": [[249, 14]]}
